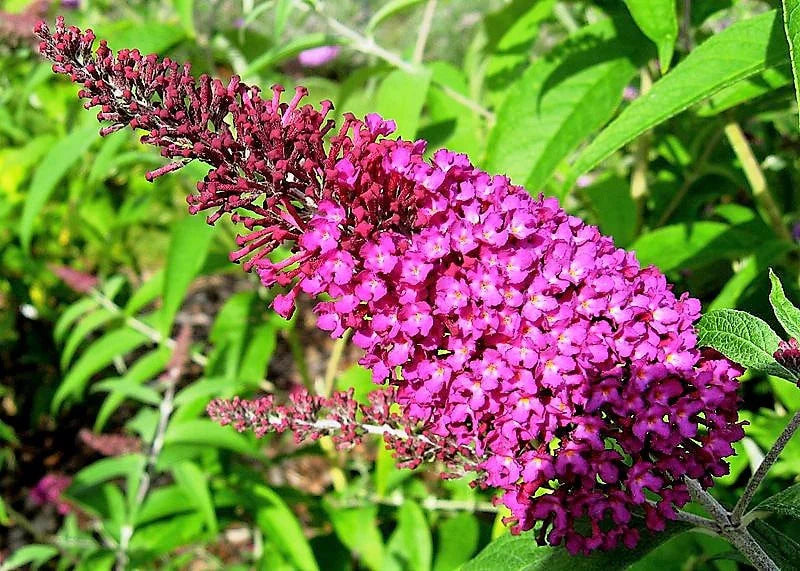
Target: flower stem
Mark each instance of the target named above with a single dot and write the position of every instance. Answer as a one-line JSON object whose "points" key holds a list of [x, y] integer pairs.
{"points": [[756, 179], [424, 32], [763, 468], [155, 336], [690, 179], [639, 190], [737, 534], [165, 409], [369, 46]]}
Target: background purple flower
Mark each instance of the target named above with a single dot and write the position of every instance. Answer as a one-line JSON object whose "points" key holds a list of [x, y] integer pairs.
{"points": [[317, 57]]}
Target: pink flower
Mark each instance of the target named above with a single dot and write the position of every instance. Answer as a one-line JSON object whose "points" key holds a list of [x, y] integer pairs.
{"points": [[317, 57], [48, 491], [502, 324]]}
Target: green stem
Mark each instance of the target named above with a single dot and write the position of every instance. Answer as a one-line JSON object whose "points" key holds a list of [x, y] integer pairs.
{"points": [[333, 362], [758, 476], [756, 179], [639, 190], [368, 46], [424, 32], [690, 179]]}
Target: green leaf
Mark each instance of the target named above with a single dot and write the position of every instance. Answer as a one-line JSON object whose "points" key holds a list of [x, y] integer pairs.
{"points": [[401, 97], [521, 553], [104, 470], [207, 433], [561, 99], [282, 10], [280, 525], [458, 540], [70, 315], [614, 209], [98, 356], [748, 272], [185, 10], [658, 21], [388, 10], [104, 159], [690, 245], [452, 125], [147, 36], [51, 170], [228, 334], [410, 546], [145, 294], [357, 529], [791, 26], [512, 52], [785, 502], [288, 50], [163, 502], [191, 237], [125, 388], [782, 549], [746, 48], [88, 324], [760, 84], [34, 555], [743, 338], [144, 369], [193, 482], [785, 311]]}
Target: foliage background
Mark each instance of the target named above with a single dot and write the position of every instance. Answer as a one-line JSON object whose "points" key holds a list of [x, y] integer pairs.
{"points": [[698, 175]]}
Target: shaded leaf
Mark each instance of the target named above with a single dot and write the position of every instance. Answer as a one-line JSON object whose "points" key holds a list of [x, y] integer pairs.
{"points": [[785, 502], [791, 26], [521, 553], [751, 88], [614, 209], [88, 324], [208, 433], [561, 99], [34, 555], [680, 246], [193, 483], [185, 10], [401, 97], [98, 356], [147, 36], [357, 529], [781, 548], [59, 159], [512, 53], [410, 546], [658, 21], [388, 10], [280, 525], [457, 541], [70, 315], [191, 237]]}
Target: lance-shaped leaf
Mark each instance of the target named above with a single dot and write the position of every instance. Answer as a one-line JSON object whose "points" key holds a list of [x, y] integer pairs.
{"points": [[744, 49]]}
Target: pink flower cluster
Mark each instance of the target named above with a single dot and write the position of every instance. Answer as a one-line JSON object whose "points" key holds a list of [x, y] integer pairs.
{"points": [[49, 490], [788, 355], [346, 421], [504, 324]]}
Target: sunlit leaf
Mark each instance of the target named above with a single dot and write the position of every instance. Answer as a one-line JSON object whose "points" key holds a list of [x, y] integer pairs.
{"points": [[744, 49]]}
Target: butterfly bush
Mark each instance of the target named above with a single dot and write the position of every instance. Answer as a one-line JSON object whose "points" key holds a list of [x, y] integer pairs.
{"points": [[565, 375]]}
